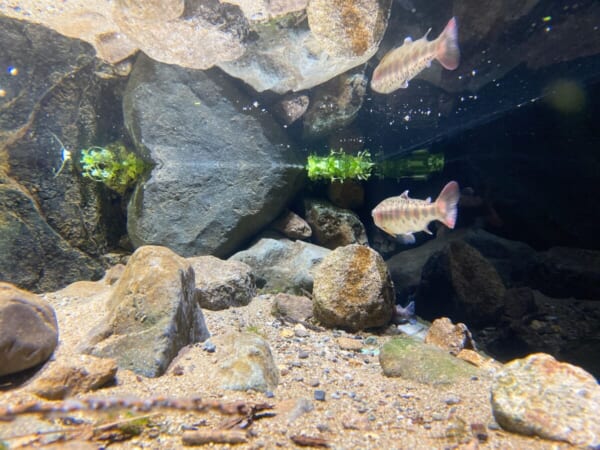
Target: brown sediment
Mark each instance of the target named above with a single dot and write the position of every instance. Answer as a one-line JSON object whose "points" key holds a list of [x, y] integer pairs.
{"points": [[356, 31]]}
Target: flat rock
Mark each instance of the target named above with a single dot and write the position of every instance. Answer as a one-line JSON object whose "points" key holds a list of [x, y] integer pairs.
{"points": [[152, 313], [414, 360], [28, 329], [282, 264], [538, 395], [222, 284], [245, 362], [353, 289], [74, 375]]}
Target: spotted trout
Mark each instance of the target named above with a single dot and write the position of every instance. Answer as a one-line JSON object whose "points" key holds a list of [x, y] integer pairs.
{"points": [[402, 216], [403, 63]]}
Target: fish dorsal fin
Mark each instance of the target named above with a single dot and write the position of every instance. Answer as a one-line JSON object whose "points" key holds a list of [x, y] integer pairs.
{"points": [[408, 40], [428, 200], [404, 194], [426, 34]]}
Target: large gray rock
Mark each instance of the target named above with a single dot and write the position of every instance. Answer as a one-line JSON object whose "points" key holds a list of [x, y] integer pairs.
{"points": [[540, 396], [223, 168], [353, 289], [152, 313], [283, 265], [28, 330], [47, 222]]}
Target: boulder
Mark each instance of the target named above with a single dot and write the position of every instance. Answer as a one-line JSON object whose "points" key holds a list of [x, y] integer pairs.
{"points": [[540, 396], [458, 282], [46, 221], [223, 169], [152, 313], [28, 329], [353, 290], [222, 284], [281, 264]]}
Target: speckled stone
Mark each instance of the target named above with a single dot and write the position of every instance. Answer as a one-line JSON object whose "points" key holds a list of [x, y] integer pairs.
{"points": [[353, 290], [538, 395], [246, 363], [448, 336]]}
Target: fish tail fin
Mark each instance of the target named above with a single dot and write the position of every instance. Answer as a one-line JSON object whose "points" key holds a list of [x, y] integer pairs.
{"points": [[447, 202], [448, 53]]}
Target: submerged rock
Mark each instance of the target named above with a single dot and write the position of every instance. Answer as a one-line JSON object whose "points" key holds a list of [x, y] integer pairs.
{"points": [[74, 375], [411, 359], [460, 283], [450, 337], [353, 289], [222, 284], [28, 329], [152, 313], [332, 226], [540, 396], [246, 362], [282, 265], [223, 169]]}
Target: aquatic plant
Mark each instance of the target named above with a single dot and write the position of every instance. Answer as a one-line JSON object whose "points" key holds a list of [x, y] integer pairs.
{"points": [[113, 165], [417, 165], [340, 166]]}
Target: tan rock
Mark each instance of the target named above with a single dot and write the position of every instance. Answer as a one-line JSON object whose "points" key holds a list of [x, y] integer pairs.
{"points": [[349, 343], [74, 375], [353, 290], [448, 336], [292, 226]]}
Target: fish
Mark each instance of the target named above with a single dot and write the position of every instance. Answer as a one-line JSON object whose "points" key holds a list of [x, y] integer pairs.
{"points": [[404, 314], [402, 64], [402, 216]]}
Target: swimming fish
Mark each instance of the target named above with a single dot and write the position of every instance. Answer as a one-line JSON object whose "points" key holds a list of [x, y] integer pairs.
{"points": [[404, 314], [402, 216], [402, 64]]}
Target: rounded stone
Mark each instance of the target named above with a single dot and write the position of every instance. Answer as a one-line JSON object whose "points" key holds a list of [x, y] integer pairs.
{"points": [[28, 329]]}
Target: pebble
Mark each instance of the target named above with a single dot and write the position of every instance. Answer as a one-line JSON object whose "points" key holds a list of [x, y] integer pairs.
{"points": [[286, 333], [300, 330], [319, 395], [302, 354], [452, 400], [209, 347]]}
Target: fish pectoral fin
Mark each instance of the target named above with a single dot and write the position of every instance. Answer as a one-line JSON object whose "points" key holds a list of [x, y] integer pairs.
{"points": [[406, 238], [428, 200], [404, 194], [427, 230], [404, 85], [407, 40]]}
